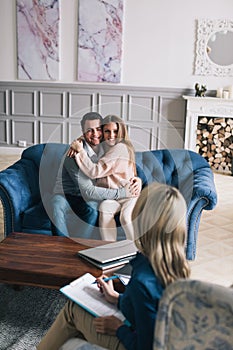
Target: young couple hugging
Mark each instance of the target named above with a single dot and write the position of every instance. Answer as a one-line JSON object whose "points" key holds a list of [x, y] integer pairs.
{"points": [[97, 179]]}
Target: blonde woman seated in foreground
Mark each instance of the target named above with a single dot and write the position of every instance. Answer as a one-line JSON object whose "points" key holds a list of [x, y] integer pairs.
{"points": [[159, 221]]}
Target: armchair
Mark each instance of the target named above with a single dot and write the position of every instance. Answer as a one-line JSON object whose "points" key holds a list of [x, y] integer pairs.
{"points": [[192, 314]]}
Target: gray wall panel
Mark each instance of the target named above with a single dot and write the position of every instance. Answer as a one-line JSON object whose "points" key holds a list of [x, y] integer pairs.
{"points": [[141, 108], [170, 137], [23, 130], [3, 132], [23, 103], [79, 104], [52, 104], [51, 112], [52, 132], [172, 109], [112, 104], [3, 102], [141, 137], [74, 131]]}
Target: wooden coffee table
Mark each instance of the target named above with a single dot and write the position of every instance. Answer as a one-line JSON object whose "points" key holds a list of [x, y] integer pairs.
{"points": [[43, 261]]}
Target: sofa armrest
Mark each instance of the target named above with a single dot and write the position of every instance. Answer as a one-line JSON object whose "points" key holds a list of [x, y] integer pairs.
{"points": [[193, 177], [197, 205], [200, 193], [19, 190], [204, 187]]}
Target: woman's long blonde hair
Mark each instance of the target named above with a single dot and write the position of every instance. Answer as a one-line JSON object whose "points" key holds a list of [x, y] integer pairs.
{"points": [[122, 136], [159, 220]]}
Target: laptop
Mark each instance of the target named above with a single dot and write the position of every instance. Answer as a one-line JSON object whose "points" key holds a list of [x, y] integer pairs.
{"points": [[110, 255]]}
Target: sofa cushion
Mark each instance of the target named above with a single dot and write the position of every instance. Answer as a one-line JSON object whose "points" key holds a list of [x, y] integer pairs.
{"points": [[36, 216]]}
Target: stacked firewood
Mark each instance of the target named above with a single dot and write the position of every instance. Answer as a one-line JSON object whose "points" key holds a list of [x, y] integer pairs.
{"points": [[215, 142]]}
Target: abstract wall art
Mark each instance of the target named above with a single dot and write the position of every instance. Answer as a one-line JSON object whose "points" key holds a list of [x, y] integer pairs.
{"points": [[100, 33], [38, 23]]}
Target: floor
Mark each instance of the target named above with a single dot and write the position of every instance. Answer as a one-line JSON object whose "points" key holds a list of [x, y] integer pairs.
{"points": [[214, 261]]}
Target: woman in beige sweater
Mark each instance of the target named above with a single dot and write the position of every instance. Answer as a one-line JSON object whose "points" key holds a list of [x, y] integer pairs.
{"points": [[113, 170]]}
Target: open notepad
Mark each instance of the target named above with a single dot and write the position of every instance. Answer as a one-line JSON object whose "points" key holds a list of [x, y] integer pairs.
{"points": [[87, 295]]}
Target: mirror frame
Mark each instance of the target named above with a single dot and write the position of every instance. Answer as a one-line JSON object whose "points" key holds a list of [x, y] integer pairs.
{"points": [[203, 64]]}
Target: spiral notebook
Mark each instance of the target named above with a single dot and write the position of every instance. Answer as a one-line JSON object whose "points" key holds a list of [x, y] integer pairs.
{"points": [[85, 293]]}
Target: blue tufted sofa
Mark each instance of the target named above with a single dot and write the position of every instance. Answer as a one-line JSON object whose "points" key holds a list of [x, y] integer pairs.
{"points": [[26, 186]]}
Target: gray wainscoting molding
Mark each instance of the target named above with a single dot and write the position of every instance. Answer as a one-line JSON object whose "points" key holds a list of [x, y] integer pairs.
{"points": [[32, 113]]}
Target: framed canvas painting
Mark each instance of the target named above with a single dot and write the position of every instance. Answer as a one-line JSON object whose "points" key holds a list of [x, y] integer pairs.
{"points": [[100, 40], [38, 25]]}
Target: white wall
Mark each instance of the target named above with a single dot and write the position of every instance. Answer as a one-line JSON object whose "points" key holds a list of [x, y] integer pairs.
{"points": [[159, 41]]}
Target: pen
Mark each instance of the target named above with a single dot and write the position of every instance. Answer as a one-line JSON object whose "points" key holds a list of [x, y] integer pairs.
{"points": [[108, 279]]}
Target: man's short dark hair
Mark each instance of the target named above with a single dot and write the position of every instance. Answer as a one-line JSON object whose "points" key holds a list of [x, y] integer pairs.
{"points": [[90, 116]]}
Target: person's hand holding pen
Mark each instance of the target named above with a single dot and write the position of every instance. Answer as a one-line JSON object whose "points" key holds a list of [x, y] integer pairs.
{"points": [[106, 279], [107, 324], [105, 285]]}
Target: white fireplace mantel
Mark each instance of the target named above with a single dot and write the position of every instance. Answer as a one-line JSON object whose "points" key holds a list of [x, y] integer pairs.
{"points": [[203, 106]]}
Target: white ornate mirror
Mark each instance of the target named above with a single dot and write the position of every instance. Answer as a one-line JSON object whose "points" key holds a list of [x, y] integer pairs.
{"points": [[214, 48]]}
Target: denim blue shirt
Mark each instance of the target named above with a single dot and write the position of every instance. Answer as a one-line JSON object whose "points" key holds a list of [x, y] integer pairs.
{"points": [[139, 304]]}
